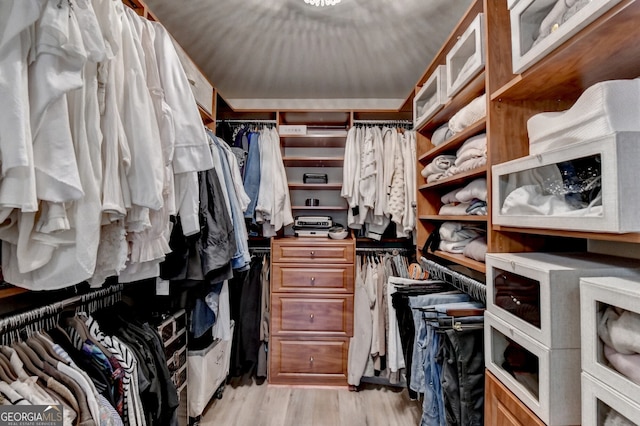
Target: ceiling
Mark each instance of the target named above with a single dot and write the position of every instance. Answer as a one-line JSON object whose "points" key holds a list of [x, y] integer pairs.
{"points": [[285, 54]]}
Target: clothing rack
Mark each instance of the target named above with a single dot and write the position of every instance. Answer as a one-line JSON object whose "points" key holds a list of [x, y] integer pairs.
{"points": [[391, 250], [14, 327], [248, 121], [397, 123], [467, 285], [258, 250]]}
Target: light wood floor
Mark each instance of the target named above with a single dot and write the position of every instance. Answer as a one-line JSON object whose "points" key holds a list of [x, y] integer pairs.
{"points": [[246, 403]]}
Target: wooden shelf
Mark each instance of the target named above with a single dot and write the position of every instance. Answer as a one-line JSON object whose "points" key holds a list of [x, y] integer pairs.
{"points": [[206, 117], [624, 238], [455, 179], [471, 91], [11, 291], [455, 142], [314, 186], [316, 141], [457, 218], [313, 161], [331, 208], [606, 49], [462, 260]]}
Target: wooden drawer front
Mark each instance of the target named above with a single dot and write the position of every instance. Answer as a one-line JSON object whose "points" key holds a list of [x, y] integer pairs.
{"points": [[326, 315], [308, 361], [504, 408], [300, 251], [321, 278]]}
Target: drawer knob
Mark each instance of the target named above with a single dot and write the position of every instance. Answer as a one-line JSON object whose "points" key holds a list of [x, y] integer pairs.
{"points": [[313, 280], [311, 359], [313, 253], [311, 317]]}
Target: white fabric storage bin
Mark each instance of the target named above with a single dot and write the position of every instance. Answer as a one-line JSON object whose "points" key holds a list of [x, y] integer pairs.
{"points": [[555, 281], [599, 400], [200, 86], [596, 294], [465, 60], [603, 109], [554, 395], [529, 18], [207, 369], [533, 191], [431, 97]]}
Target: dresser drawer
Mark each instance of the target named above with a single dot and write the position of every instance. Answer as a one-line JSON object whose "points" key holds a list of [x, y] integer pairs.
{"points": [[304, 250], [320, 278], [328, 315], [308, 361]]}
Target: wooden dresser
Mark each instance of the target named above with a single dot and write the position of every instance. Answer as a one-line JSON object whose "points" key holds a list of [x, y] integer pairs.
{"points": [[312, 284]]}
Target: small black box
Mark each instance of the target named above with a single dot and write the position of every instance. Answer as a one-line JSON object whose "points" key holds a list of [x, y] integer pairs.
{"points": [[314, 178]]}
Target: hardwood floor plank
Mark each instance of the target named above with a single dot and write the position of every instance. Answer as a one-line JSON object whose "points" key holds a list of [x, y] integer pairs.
{"points": [[245, 403]]}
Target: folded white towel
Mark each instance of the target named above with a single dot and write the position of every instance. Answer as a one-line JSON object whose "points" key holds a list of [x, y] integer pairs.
{"points": [[438, 165], [476, 110], [454, 209], [474, 189]]}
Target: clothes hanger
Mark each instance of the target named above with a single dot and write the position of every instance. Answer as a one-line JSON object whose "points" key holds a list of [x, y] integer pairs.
{"points": [[6, 365], [48, 348], [29, 366]]}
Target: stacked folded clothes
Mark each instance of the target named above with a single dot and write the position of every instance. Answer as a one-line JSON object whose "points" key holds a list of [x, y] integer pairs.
{"points": [[441, 134], [471, 155], [437, 168], [471, 113], [455, 236], [619, 330], [469, 200]]}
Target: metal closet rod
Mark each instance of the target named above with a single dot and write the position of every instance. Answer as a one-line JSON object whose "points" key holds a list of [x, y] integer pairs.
{"points": [[247, 121], [110, 295], [383, 250], [382, 121]]}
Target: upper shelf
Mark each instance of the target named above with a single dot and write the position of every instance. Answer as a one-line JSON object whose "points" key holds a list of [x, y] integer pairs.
{"points": [[310, 186], [455, 179], [624, 238], [313, 161], [475, 88], [606, 49], [455, 142], [316, 141]]}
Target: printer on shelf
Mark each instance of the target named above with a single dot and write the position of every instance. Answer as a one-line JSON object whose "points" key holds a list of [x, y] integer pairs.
{"points": [[312, 226]]}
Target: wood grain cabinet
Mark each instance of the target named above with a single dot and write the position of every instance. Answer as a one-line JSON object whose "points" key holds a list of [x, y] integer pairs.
{"points": [[312, 283], [502, 408]]}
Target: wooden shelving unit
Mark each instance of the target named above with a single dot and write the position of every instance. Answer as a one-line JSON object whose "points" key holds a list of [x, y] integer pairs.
{"points": [[314, 186], [313, 161]]}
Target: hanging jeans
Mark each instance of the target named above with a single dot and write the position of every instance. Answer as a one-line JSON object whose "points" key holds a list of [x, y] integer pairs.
{"points": [[462, 376]]}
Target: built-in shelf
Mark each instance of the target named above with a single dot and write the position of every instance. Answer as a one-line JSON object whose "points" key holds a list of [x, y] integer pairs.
{"points": [[455, 142], [625, 238], [315, 141], [471, 91], [313, 186], [457, 218], [462, 260], [581, 61], [206, 117], [320, 208], [455, 179], [11, 291], [313, 161]]}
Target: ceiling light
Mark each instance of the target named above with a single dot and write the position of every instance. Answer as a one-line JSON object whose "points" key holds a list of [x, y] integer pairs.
{"points": [[322, 3]]}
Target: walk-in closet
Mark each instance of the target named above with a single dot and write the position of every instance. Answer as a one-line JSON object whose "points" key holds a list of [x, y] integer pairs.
{"points": [[319, 212]]}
